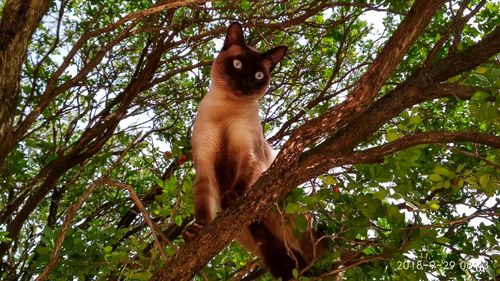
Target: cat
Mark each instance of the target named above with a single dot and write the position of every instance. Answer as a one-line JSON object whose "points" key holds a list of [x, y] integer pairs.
{"points": [[230, 153]]}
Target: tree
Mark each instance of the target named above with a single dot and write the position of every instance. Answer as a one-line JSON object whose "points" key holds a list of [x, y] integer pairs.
{"points": [[388, 139]]}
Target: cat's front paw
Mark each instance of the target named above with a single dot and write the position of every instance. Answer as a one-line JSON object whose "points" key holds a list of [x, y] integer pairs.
{"points": [[191, 231]]}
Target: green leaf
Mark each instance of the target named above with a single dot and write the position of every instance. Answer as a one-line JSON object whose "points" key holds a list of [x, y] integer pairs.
{"points": [[483, 180], [134, 241], [178, 220], [414, 120], [436, 178], [381, 194], [139, 276], [245, 5], [160, 183], [3, 236], [293, 208], [392, 136], [301, 223], [170, 250], [440, 170], [443, 240], [434, 205], [481, 70], [454, 79], [328, 179], [480, 96], [394, 216], [295, 273], [369, 251]]}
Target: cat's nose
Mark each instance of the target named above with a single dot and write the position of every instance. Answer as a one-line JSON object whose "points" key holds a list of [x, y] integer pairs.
{"points": [[247, 81]]}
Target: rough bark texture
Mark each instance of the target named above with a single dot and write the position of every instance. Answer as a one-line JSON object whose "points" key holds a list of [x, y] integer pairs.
{"points": [[88, 144], [12, 135], [342, 130], [424, 85], [93, 139], [19, 21], [349, 121]]}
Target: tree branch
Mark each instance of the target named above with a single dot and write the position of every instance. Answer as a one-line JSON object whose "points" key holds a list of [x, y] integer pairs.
{"points": [[137, 201], [422, 86], [286, 172], [88, 144], [19, 20], [54, 258], [474, 155], [376, 154], [396, 47], [370, 83], [10, 140], [456, 24], [380, 112]]}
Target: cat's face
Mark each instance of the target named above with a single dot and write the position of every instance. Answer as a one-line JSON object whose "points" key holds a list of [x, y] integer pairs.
{"points": [[240, 70]]}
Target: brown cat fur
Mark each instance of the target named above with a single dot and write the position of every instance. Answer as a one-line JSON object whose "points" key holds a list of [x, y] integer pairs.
{"points": [[230, 153]]}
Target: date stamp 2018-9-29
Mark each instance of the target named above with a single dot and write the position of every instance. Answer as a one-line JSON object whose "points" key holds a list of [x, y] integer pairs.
{"points": [[423, 265]]}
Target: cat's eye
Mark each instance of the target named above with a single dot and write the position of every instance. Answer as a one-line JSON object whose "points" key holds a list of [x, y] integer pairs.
{"points": [[259, 75], [237, 64]]}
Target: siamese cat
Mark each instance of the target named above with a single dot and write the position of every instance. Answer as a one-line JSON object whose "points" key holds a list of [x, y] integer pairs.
{"points": [[230, 153]]}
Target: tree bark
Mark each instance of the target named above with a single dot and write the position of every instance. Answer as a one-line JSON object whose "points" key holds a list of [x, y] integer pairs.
{"points": [[19, 21], [425, 85], [285, 172], [87, 145], [10, 135]]}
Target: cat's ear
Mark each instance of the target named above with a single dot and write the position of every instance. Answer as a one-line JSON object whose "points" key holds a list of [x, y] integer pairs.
{"points": [[275, 55], [234, 36]]}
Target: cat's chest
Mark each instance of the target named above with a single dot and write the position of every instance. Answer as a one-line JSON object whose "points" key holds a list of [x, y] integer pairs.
{"points": [[228, 133], [229, 127], [235, 119]]}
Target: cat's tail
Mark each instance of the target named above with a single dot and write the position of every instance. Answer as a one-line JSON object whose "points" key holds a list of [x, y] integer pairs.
{"points": [[279, 260], [272, 239]]}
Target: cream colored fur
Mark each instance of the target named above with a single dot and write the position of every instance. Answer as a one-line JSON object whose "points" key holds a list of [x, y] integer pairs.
{"points": [[220, 111]]}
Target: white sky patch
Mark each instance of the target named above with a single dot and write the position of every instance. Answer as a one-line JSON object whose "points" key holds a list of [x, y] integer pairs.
{"points": [[376, 20], [218, 43]]}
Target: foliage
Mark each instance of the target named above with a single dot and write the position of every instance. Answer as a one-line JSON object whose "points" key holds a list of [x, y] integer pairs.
{"points": [[426, 212]]}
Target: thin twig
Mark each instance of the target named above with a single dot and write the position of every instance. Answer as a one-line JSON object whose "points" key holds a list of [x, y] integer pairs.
{"points": [[472, 155], [461, 220], [140, 206], [54, 258], [249, 267]]}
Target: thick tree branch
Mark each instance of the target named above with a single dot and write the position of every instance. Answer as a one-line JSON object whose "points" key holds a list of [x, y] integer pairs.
{"points": [[286, 172], [379, 113], [19, 21], [89, 143], [370, 83], [345, 127], [376, 154], [462, 61], [52, 90], [422, 86], [394, 50]]}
